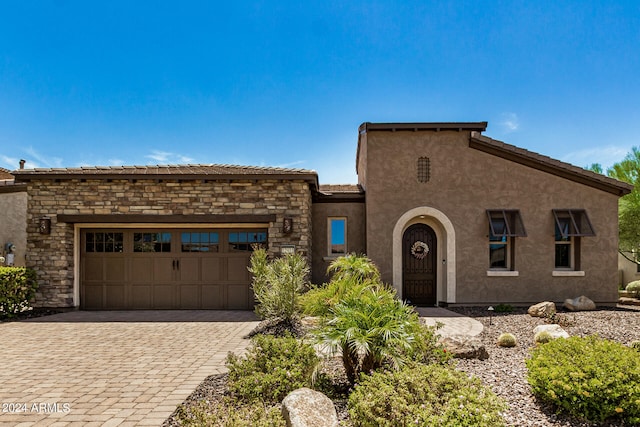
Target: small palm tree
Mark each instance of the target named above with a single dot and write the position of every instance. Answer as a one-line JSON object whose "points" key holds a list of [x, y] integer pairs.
{"points": [[371, 327], [355, 268]]}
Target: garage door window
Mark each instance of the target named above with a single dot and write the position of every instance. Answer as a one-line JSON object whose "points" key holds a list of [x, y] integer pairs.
{"points": [[104, 242], [200, 242], [151, 242], [245, 241]]}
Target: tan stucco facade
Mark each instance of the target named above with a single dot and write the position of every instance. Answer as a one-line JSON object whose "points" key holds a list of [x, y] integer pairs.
{"points": [[463, 184], [354, 214]]}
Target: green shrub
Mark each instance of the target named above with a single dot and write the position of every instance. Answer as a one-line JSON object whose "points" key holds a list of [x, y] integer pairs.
{"points": [[371, 328], [507, 340], [589, 378], [634, 287], [277, 284], [503, 308], [425, 347], [635, 344], [228, 413], [424, 395], [271, 369], [17, 287], [542, 337]]}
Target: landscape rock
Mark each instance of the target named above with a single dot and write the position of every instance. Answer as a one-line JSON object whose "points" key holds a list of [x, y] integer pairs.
{"points": [[581, 303], [542, 309], [554, 330], [628, 301], [465, 347], [309, 408]]}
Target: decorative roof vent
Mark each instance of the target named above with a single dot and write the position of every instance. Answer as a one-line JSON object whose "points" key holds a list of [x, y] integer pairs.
{"points": [[424, 169]]}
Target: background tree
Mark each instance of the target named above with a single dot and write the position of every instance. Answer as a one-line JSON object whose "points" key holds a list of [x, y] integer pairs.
{"points": [[628, 170]]}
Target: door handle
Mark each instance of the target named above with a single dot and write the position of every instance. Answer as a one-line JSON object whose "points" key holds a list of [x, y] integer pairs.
{"points": [[173, 264], [177, 264]]}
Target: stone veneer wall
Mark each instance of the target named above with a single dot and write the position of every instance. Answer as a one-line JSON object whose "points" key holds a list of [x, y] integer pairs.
{"points": [[52, 255]]}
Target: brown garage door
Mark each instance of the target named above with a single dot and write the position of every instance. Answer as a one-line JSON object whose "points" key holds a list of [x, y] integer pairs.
{"points": [[167, 269]]}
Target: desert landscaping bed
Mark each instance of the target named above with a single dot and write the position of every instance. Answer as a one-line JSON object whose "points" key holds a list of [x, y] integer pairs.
{"points": [[504, 371]]}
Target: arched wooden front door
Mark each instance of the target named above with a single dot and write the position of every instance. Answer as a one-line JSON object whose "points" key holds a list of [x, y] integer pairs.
{"points": [[419, 265]]}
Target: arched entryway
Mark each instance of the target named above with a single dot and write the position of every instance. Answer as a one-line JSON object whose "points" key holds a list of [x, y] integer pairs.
{"points": [[419, 265], [444, 253]]}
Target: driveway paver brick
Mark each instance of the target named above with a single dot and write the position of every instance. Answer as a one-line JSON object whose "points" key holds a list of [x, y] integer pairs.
{"points": [[112, 368]]}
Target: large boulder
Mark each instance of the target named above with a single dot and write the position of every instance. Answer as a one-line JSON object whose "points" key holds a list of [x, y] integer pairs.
{"points": [[581, 303], [554, 330], [308, 408], [465, 347], [542, 309]]}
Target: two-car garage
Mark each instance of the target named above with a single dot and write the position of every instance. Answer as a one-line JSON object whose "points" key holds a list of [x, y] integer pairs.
{"points": [[167, 268]]}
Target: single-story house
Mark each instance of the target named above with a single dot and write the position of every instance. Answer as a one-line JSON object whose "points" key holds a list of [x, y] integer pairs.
{"points": [[449, 216]]}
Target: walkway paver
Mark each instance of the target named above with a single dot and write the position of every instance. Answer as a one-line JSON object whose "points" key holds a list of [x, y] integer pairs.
{"points": [[453, 323], [111, 368], [126, 368]]}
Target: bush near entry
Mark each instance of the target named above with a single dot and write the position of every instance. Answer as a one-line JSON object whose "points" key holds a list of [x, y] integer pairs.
{"points": [[17, 287], [271, 369], [590, 378], [424, 395]]}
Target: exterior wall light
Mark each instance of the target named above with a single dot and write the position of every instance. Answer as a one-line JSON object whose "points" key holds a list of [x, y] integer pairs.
{"points": [[44, 225]]}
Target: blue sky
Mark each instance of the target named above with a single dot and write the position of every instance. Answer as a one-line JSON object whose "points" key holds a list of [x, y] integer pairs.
{"points": [[287, 83]]}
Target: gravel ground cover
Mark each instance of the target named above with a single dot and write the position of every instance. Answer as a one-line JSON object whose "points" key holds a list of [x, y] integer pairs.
{"points": [[505, 371]]}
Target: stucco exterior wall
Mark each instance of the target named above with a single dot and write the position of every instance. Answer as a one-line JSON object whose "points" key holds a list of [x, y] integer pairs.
{"points": [[628, 271], [464, 183], [355, 215], [52, 256], [13, 223]]}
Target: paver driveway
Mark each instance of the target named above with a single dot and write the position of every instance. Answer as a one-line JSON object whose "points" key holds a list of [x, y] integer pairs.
{"points": [[111, 368]]}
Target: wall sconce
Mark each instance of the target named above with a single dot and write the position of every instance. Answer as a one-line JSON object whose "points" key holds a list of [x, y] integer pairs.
{"points": [[287, 225], [287, 249], [44, 225]]}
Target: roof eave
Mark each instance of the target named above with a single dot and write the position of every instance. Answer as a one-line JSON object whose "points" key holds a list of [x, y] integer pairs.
{"points": [[610, 185], [424, 126]]}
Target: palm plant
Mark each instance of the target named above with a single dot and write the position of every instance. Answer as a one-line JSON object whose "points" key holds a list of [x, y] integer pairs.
{"points": [[353, 267], [348, 272], [371, 327]]}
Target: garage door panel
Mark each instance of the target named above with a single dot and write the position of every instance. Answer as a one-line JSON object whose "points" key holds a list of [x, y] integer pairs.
{"points": [[163, 269], [93, 269], [237, 297], [189, 297], [140, 296], [190, 270], [93, 297], [115, 296], [211, 270], [115, 269], [237, 269], [164, 296], [212, 297], [141, 270]]}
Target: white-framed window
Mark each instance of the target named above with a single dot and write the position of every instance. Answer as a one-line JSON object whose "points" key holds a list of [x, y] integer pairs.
{"points": [[337, 236], [570, 226], [504, 226]]}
